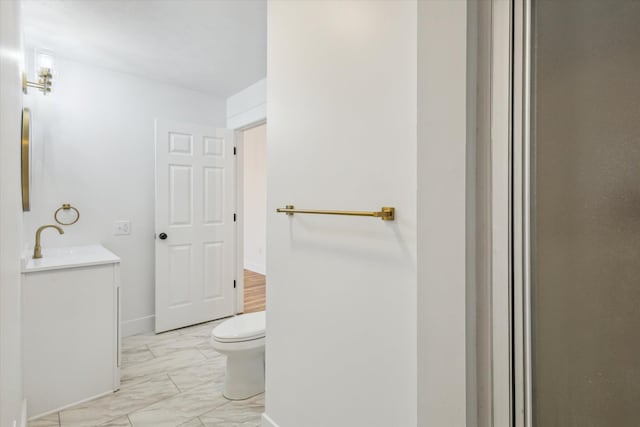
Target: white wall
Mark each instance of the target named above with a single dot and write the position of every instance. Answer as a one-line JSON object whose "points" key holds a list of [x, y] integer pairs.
{"points": [[248, 106], [94, 148], [10, 215], [341, 346], [255, 198]]}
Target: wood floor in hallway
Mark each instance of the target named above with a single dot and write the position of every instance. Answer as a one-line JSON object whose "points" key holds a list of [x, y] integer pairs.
{"points": [[254, 291]]}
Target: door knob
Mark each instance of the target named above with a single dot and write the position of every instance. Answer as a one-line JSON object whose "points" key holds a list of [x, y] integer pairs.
{"points": [[162, 236]]}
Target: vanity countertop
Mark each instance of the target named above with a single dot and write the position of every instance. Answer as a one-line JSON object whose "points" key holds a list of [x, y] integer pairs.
{"points": [[71, 257]]}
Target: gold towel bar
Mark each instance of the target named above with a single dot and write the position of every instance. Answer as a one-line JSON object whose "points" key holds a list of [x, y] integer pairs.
{"points": [[386, 213]]}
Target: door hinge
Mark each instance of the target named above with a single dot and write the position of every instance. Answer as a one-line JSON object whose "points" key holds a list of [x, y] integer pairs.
{"points": [[235, 217], [235, 151], [234, 284]]}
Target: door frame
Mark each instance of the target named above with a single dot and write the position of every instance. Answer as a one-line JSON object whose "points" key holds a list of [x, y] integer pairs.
{"points": [[502, 236], [239, 159], [521, 212], [510, 206]]}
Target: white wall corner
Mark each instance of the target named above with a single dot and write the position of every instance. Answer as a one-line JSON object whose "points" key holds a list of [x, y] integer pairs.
{"points": [[443, 226], [267, 422]]}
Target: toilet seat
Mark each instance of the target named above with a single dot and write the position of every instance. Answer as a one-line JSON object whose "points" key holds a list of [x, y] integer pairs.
{"points": [[246, 327]]}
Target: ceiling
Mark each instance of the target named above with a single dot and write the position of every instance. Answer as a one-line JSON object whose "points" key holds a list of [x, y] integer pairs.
{"points": [[214, 46]]}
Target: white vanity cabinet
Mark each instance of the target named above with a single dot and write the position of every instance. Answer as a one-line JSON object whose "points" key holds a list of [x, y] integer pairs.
{"points": [[71, 337]]}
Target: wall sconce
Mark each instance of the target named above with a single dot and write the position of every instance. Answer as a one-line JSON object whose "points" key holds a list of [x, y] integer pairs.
{"points": [[44, 81]]}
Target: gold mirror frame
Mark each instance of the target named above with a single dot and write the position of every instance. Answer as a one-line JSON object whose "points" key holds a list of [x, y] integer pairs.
{"points": [[25, 146]]}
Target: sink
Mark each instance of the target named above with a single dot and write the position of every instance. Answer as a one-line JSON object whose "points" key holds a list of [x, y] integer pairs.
{"points": [[69, 257]]}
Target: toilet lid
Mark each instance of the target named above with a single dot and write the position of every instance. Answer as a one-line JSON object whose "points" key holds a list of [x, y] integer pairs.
{"points": [[244, 327]]}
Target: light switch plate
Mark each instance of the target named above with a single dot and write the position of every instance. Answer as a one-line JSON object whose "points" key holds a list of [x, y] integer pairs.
{"points": [[122, 228]]}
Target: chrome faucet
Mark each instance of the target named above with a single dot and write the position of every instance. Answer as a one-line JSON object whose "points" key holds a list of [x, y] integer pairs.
{"points": [[37, 249]]}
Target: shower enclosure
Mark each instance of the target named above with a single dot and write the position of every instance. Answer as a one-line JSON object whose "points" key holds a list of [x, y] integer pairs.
{"points": [[576, 213]]}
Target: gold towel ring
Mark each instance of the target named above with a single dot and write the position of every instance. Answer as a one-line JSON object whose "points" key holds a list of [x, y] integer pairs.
{"points": [[66, 207]]}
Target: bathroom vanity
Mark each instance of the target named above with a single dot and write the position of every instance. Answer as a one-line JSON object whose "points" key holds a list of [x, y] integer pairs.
{"points": [[70, 312]]}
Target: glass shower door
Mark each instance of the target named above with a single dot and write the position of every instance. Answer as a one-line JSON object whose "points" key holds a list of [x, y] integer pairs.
{"points": [[585, 213]]}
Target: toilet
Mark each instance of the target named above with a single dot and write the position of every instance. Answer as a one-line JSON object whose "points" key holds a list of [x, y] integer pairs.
{"points": [[241, 339]]}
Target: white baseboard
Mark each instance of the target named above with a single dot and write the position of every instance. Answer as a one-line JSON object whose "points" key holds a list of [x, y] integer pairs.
{"points": [[68, 405], [256, 268], [267, 422], [137, 326]]}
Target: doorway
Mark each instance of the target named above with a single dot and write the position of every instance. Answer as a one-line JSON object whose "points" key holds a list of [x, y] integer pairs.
{"points": [[576, 213], [254, 215]]}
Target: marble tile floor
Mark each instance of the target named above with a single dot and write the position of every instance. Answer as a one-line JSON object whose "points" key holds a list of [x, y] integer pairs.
{"points": [[168, 380]]}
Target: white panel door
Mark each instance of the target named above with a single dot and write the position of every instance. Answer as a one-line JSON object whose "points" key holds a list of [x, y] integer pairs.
{"points": [[195, 229]]}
